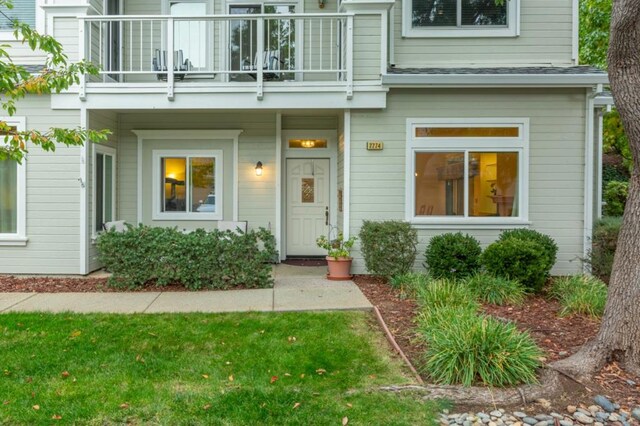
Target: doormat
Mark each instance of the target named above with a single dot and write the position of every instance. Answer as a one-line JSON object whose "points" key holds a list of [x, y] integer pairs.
{"points": [[305, 262]]}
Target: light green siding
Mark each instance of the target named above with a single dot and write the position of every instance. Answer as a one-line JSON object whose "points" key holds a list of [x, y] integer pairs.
{"points": [[556, 162], [367, 60], [65, 30], [545, 39], [256, 143], [53, 199]]}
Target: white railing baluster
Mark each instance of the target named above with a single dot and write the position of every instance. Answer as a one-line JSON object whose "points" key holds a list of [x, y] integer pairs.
{"points": [[151, 42], [349, 65], [260, 55], [331, 43], [130, 45], [170, 59], [141, 45]]}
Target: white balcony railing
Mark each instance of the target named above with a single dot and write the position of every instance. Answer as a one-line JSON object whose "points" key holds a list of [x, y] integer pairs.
{"points": [[242, 49]]}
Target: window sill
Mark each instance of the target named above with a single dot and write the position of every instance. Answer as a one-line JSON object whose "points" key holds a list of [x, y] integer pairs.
{"points": [[187, 216], [469, 224], [13, 240], [460, 33]]}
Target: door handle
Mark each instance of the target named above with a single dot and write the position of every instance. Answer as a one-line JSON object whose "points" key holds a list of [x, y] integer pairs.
{"points": [[326, 216]]}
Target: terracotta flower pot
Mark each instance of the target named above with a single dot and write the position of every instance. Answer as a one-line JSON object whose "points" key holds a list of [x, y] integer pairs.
{"points": [[339, 269]]}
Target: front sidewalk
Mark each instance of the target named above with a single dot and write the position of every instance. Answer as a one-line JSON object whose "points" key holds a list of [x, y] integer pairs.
{"points": [[295, 289]]}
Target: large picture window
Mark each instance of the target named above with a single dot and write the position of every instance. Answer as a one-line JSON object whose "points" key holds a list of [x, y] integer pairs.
{"points": [[473, 171], [12, 192], [187, 185], [460, 18]]}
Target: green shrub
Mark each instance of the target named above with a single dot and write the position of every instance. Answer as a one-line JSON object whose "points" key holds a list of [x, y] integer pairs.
{"points": [[580, 294], [200, 259], [464, 348], [443, 293], [496, 290], [603, 248], [388, 248], [615, 196], [410, 283], [525, 261], [550, 246], [452, 255]]}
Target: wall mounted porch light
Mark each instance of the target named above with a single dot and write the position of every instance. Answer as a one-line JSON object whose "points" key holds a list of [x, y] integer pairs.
{"points": [[259, 168]]}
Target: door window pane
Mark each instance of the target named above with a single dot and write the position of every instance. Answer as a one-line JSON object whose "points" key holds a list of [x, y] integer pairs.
{"points": [[439, 184], [308, 190], [8, 197], [99, 210], [280, 40], [434, 13], [191, 36], [243, 40], [493, 184], [108, 188], [202, 185], [174, 194]]}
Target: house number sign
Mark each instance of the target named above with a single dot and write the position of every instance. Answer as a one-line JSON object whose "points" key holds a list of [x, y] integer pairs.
{"points": [[375, 146]]}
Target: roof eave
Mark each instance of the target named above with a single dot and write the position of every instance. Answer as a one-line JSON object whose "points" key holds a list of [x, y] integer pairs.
{"points": [[494, 80]]}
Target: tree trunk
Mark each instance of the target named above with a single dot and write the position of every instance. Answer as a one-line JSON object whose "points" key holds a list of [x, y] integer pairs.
{"points": [[619, 335]]}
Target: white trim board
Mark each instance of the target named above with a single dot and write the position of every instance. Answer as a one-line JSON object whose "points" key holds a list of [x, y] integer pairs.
{"points": [[493, 80], [142, 135], [19, 238]]}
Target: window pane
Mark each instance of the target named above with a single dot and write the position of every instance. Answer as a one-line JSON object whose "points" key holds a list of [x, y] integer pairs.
{"points": [[23, 10], [493, 184], [484, 12], [439, 184], [307, 143], [467, 132], [308, 190], [108, 188], [434, 13], [99, 208], [174, 194], [191, 36], [202, 185], [8, 197]]}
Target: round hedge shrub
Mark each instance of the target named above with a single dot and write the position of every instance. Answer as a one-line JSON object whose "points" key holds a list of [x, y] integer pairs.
{"points": [[388, 247], [525, 261], [452, 255], [550, 246]]}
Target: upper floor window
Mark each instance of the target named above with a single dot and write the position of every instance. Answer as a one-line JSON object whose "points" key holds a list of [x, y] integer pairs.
{"points": [[12, 192], [460, 18], [23, 11]]}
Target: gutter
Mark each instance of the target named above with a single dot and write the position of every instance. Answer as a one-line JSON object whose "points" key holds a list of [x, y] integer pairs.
{"points": [[494, 80]]}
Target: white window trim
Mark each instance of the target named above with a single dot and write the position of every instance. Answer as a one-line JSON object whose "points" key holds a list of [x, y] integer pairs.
{"points": [[518, 144], [18, 238], [512, 29], [106, 150], [157, 156]]}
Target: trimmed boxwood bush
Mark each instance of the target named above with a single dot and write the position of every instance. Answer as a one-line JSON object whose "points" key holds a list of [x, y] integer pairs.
{"points": [[389, 247], [452, 255], [525, 261], [200, 259], [550, 246]]}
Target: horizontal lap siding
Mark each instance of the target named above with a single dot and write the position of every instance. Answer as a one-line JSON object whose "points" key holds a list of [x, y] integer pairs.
{"points": [[256, 143], [53, 199], [545, 38], [366, 47], [556, 162]]}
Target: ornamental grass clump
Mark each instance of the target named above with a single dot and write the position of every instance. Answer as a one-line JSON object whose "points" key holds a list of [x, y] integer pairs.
{"points": [[443, 293], [465, 348], [410, 283], [495, 290], [580, 294]]}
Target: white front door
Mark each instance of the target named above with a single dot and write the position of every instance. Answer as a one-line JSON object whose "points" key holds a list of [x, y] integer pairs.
{"points": [[307, 205]]}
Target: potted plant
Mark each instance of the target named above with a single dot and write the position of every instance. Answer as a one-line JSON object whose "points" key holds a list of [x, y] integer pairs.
{"points": [[338, 259]]}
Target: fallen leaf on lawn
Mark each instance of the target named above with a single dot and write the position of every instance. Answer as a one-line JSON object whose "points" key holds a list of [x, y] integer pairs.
{"points": [[228, 362], [350, 405], [345, 421], [292, 339], [124, 405], [65, 374], [287, 375], [205, 376], [231, 378], [296, 405], [7, 372], [139, 358], [56, 417], [152, 334], [372, 376], [75, 333], [36, 407], [273, 379], [302, 376], [261, 331], [6, 402], [206, 407], [321, 371], [28, 380]]}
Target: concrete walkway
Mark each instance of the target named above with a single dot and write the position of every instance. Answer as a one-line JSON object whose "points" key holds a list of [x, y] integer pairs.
{"points": [[296, 289]]}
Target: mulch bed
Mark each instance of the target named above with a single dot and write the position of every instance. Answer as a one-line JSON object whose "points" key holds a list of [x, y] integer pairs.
{"points": [[559, 337], [13, 284]]}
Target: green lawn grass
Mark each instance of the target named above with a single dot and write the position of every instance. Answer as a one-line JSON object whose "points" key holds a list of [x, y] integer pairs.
{"points": [[289, 368]]}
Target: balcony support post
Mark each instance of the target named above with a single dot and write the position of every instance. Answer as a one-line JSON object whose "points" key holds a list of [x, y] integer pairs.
{"points": [[261, 57], [349, 65], [82, 48], [170, 60]]}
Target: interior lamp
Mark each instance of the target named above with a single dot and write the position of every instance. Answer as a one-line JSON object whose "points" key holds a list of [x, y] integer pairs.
{"points": [[308, 144], [259, 168]]}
